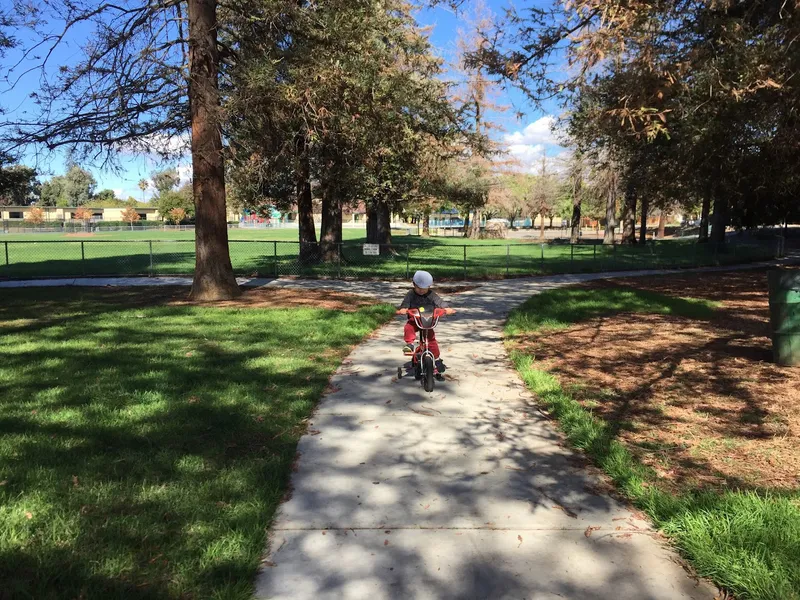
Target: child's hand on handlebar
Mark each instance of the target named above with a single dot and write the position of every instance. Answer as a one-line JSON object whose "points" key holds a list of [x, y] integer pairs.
{"points": [[449, 311], [401, 311]]}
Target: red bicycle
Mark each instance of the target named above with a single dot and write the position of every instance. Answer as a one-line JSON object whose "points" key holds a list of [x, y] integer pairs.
{"points": [[423, 362]]}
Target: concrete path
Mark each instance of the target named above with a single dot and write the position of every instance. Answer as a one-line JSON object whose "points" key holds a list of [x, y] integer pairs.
{"points": [[467, 492]]}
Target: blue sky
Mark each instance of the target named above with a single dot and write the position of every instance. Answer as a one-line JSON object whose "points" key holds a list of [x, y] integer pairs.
{"points": [[524, 139]]}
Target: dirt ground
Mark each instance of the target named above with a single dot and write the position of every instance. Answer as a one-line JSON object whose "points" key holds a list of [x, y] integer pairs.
{"points": [[285, 298], [701, 402], [250, 298]]}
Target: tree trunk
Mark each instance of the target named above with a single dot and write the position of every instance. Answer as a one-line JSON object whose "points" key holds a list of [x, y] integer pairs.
{"points": [[213, 272], [331, 233], [307, 233], [720, 220], [643, 228], [384, 226], [575, 223], [372, 223], [541, 226], [551, 221], [662, 224], [466, 224], [475, 227], [426, 225], [629, 215], [702, 236], [611, 216]]}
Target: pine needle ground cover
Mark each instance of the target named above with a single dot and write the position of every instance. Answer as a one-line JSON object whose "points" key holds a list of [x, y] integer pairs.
{"points": [[669, 386], [145, 443]]}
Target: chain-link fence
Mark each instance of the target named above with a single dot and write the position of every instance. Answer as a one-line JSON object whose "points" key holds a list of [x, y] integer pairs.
{"points": [[22, 227], [258, 258]]}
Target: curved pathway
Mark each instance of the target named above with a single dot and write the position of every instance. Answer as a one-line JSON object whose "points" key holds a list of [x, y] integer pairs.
{"points": [[467, 492]]}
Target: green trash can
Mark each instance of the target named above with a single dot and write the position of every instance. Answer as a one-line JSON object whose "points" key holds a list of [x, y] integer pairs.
{"points": [[784, 315]]}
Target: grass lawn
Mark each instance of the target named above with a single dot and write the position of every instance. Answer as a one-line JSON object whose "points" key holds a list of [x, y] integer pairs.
{"points": [[145, 444], [269, 253], [679, 455]]}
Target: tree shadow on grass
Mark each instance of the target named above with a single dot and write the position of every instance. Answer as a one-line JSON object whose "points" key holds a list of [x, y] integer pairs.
{"points": [[146, 448]]}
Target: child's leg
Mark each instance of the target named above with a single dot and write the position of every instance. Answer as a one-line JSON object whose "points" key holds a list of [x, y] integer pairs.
{"points": [[409, 332], [434, 345]]}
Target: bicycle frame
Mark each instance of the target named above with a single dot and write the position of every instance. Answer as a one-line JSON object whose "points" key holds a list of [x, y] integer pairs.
{"points": [[424, 324]]}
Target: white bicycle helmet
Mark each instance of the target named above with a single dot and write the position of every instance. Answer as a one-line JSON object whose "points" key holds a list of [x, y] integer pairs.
{"points": [[423, 279]]}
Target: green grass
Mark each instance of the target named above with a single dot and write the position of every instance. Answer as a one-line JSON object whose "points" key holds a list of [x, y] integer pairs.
{"points": [[144, 448], [747, 542], [269, 253]]}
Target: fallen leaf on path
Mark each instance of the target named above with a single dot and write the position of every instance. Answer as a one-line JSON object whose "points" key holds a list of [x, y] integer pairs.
{"points": [[388, 402], [268, 563], [625, 536], [519, 537], [385, 542], [314, 432], [28, 515], [589, 531]]}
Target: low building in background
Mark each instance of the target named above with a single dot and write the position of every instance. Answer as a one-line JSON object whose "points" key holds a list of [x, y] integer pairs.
{"points": [[59, 214]]}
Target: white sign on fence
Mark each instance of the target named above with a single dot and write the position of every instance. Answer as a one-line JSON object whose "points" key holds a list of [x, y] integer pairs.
{"points": [[372, 250]]}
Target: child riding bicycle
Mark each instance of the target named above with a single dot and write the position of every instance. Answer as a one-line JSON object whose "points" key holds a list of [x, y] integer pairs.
{"points": [[421, 297]]}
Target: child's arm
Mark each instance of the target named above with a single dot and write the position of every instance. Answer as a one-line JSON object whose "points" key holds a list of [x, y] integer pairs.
{"points": [[439, 303], [403, 309]]}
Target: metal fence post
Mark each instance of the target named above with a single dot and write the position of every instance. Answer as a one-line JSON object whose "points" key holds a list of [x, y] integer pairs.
{"points": [[339, 262], [275, 255], [7, 263], [83, 260], [408, 253], [152, 271], [542, 257], [465, 262], [571, 255], [508, 257]]}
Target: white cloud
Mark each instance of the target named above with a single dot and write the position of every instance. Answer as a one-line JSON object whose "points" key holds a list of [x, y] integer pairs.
{"points": [[527, 146], [159, 144], [185, 173], [538, 132], [119, 193], [526, 153]]}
